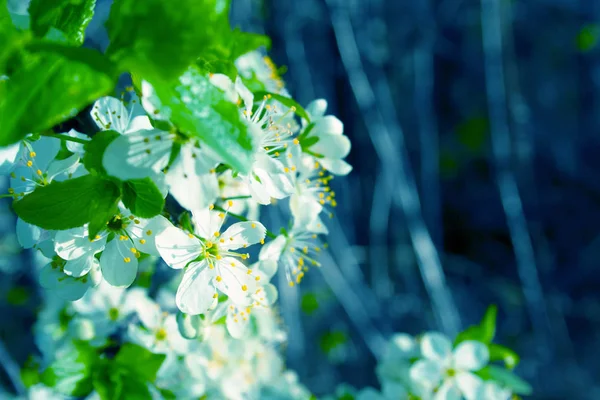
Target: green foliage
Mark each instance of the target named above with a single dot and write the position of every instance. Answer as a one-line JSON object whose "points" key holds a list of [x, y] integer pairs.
{"points": [[56, 82], [309, 303], [141, 48], [587, 38], [142, 197], [505, 378], [127, 376], [331, 340], [69, 204], [199, 109], [286, 101], [502, 353], [94, 151], [69, 16], [71, 373], [17, 296], [473, 133], [483, 332]]}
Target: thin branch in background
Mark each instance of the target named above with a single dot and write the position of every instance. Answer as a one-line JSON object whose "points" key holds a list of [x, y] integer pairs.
{"points": [[509, 192], [384, 134], [423, 62], [378, 234], [12, 370]]}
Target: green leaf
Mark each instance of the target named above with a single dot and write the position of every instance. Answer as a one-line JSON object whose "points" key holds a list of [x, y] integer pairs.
{"points": [[330, 340], [51, 88], [12, 39], [164, 54], [505, 378], [68, 16], [140, 361], [94, 150], [113, 382], [502, 353], [286, 101], [587, 38], [483, 332], [68, 204], [199, 109], [309, 303], [142, 197], [17, 296], [71, 372]]}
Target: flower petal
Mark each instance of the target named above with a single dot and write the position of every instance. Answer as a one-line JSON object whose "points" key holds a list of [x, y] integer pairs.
{"points": [[237, 324], [118, 263], [272, 250], [195, 294], [80, 266], [332, 146], [469, 385], [144, 233], [266, 295], [436, 347], [74, 243], [138, 155], [471, 355], [426, 372], [329, 124], [110, 113], [8, 156], [242, 234], [75, 147], [176, 247], [448, 391], [193, 190], [235, 281], [336, 167], [316, 108], [27, 235]]}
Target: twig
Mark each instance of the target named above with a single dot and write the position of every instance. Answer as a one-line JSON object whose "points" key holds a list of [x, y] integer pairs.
{"points": [[501, 147], [387, 138]]}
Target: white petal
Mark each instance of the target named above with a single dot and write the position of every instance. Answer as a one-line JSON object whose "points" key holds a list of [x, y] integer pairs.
{"points": [[266, 268], [46, 149], [8, 156], [75, 147], [74, 243], [63, 286], [207, 222], [176, 247], [23, 181], [65, 166], [469, 385], [119, 264], [235, 281], [244, 93], [141, 122], [328, 125], [316, 108], [223, 82], [448, 391], [138, 155], [332, 146], [426, 372], [189, 325], [272, 250], [177, 342], [110, 113], [27, 235], [144, 234], [436, 346], [195, 294], [258, 191], [80, 266], [237, 325], [147, 310], [242, 233], [471, 355], [266, 295], [305, 210], [192, 191], [336, 167]]}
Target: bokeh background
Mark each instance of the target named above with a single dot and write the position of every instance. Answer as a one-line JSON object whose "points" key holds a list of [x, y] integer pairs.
{"points": [[476, 153]]}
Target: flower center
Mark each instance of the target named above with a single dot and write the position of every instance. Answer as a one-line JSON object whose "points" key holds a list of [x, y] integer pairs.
{"points": [[161, 334], [113, 313]]}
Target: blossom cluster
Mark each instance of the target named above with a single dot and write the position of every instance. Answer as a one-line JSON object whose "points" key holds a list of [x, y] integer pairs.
{"points": [[216, 323]]}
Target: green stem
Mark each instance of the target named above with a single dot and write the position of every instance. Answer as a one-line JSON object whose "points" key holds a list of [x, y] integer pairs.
{"points": [[3, 196], [242, 218], [65, 137]]}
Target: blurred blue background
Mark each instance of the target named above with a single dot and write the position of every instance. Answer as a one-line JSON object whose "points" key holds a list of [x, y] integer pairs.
{"points": [[476, 152]]}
